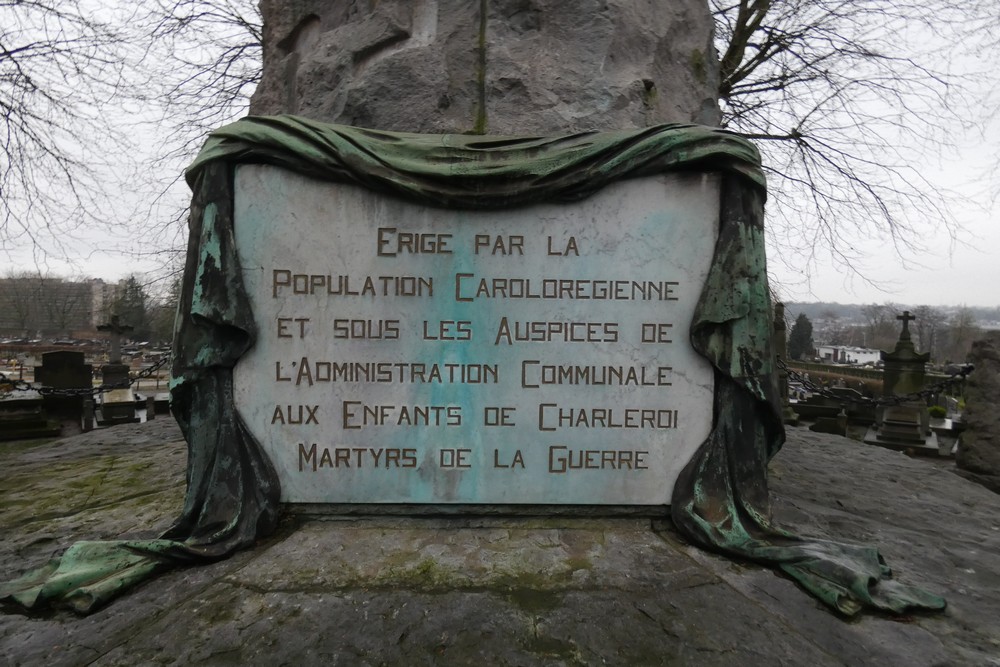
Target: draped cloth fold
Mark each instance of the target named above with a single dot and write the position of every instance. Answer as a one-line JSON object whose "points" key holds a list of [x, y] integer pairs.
{"points": [[720, 501]]}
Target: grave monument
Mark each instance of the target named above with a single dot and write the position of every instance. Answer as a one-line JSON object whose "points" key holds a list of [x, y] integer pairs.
{"points": [[118, 404], [25, 417], [64, 370], [509, 287], [905, 426]]}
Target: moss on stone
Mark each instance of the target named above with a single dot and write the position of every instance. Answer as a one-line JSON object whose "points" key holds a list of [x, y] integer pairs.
{"points": [[534, 600], [425, 575], [552, 647], [579, 563], [649, 93], [698, 65]]}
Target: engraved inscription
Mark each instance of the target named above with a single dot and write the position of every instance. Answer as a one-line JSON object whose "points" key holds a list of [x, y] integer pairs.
{"points": [[412, 354]]}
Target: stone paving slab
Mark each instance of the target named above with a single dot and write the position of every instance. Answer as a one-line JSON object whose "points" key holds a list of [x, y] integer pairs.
{"points": [[499, 591], [933, 527]]}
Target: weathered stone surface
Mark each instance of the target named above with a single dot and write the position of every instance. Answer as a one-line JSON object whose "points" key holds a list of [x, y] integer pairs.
{"points": [[978, 454], [531, 67], [614, 229], [554, 591], [97, 487], [933, 528]]}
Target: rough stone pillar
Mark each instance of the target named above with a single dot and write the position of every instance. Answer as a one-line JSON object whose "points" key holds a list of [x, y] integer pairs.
{"points": [[978, 455], [781, 352], [781, 348], [88, 414], [489, 66]]}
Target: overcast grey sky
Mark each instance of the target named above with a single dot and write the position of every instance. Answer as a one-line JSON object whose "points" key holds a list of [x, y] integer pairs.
{"points": [[946, 273], [967, 272]]}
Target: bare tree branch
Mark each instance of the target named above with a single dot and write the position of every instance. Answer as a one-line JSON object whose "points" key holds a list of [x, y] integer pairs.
{"points": [[845, 98], [58, 68]]}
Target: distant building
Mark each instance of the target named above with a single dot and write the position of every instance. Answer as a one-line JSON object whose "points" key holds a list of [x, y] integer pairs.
{"points": [[34, 306], [845, 354]]}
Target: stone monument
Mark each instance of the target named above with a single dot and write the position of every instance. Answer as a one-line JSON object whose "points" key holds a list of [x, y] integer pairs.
{"points": [[24, 418], [117, 404], [508, 284], [781, 352], [64, 370], [504, 67], [525, 355], [904, 426], [978, 456]]}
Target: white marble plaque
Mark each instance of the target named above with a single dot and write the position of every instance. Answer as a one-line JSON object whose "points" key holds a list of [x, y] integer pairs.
{"points": [[410, 354]]}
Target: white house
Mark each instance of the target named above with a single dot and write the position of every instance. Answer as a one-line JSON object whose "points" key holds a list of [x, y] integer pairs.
{"points": [[844, 354]]}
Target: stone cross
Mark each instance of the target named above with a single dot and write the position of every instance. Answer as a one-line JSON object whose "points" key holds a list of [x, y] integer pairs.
{"points": [[906, 319], [116, 329]]}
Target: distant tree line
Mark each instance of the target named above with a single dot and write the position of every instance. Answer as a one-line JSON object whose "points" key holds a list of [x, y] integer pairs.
{"points": [[839, 94], [33, 305], [854, 313], [945, 333], [800, 340]]}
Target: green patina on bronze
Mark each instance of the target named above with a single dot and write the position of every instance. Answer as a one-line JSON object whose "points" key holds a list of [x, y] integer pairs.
{"points": [[720, 500]]}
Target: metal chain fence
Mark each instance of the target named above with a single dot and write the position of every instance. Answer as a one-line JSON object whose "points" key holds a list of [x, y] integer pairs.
{"points": [[21, 385], [896, 399]]}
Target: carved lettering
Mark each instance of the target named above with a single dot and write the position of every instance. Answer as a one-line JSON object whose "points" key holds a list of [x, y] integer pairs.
{"points": [[284, 281], [552, 417], [562, 459], [365, 329], [450, 354], [385, 372], [455, 458], [656, 333], [535, 374], [285, 327], [448, 330], [502, 245], [498, 416], [295, 414], [313, 458], [469, 287], [556, 332], [357, 415], [391, 242], [516, 462], [569, 249]]}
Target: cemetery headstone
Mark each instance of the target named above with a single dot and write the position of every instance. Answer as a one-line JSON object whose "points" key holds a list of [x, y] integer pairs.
{"points": [[818, 406], [117, 404], [905, 369], [64, 370], [89, 416], [23, 418]]}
